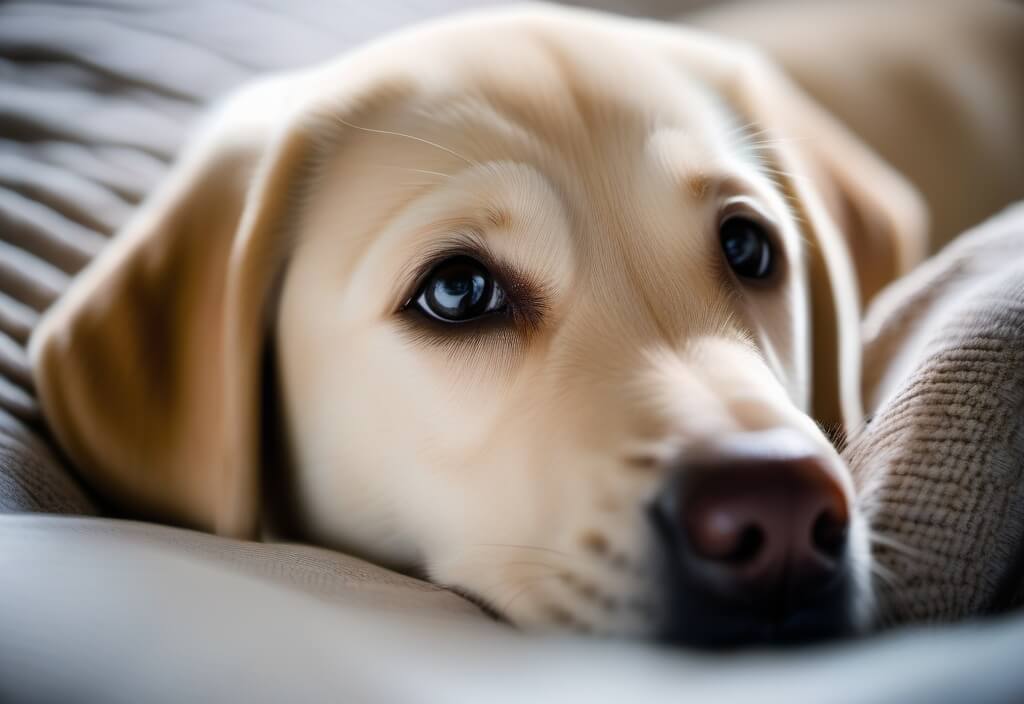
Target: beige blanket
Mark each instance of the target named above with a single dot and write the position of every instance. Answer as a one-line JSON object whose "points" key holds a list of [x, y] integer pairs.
{"points": [[941, 461]]}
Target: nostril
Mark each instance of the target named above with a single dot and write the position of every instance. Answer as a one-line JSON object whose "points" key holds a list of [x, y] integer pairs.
{"points": [[719, 532], [829, 534], [748, 546]]}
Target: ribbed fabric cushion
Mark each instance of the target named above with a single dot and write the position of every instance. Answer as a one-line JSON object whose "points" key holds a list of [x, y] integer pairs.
{"points": [[942, 461]]}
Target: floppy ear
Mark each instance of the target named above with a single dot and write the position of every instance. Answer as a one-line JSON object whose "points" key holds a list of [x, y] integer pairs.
{"points": [[883, 219], [865, 225], [148, 367]]}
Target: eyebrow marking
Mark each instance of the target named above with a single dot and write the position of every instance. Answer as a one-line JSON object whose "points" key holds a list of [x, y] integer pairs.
{"points": [[698, 185], [595, 542]]}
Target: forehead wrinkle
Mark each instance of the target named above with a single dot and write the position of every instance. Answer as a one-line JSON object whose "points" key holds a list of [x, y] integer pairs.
{"points": [[565, 109]]}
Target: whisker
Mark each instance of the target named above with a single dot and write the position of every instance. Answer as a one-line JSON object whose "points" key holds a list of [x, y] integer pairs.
{"points": [[525, 586], [532, 563], [773, 141], [485, 589], [513, 546], [740, 127], [887, 576], [426, 172], [796, 178], [421, 140], [897, 546], [746, 130]]}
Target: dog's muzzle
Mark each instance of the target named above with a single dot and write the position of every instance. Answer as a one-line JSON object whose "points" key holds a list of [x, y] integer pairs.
{"points": [[754, 540]]}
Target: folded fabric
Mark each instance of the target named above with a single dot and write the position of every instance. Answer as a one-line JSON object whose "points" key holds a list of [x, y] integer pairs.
{"points": [[941, 460], [111, 611]]}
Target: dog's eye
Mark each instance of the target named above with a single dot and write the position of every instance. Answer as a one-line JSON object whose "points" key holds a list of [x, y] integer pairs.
{"points": [[458, 290], [747, 247]]}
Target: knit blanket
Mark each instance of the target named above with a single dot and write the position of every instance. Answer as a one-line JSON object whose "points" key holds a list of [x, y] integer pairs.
{"points": [[940, 461]]}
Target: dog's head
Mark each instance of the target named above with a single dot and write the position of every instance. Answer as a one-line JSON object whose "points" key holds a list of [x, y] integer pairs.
{"points": [[547, 305]]}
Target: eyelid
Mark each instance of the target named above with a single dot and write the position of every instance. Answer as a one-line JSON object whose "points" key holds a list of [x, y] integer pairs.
{"points": [[527, 299], [747, 207], [412, 278]]}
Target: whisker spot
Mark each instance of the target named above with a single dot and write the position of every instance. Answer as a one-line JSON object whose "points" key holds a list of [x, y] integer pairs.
{"points": [[595, 542], [587, 590], [643, 463], [698, 186]]}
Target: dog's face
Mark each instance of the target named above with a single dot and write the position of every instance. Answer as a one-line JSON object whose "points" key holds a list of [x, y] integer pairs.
{"points": [[550, 319], [519, 303]]}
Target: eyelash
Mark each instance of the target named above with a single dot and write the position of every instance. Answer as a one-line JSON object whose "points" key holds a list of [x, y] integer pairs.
{"points": [[527, 303]]}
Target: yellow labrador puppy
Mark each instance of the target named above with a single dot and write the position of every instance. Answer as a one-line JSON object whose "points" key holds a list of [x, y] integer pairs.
{"points": [[539, 303]]}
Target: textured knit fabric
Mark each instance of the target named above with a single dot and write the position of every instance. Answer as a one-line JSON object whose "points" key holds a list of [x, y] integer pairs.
{"points": [[942, 461]]}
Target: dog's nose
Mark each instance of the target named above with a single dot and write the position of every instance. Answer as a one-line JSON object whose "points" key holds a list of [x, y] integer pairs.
{"points": [[758, 527], [781, 523]]}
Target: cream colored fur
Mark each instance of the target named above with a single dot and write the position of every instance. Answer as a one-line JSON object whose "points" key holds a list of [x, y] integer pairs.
{"points": [[239, 353]]}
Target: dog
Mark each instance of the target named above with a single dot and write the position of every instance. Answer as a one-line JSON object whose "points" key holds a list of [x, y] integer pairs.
{"points": [[556, 309]]}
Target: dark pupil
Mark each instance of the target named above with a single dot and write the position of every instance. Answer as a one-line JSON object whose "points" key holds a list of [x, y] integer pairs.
{"points": [[746, 248], [459, 290]]}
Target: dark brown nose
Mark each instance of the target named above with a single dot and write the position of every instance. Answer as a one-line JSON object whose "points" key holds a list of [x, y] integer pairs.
{"points": [[782, 519], [758, 523]]}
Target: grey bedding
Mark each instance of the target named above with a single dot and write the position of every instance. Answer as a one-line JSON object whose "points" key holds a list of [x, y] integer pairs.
{"points": [[96, 97], [171, 616], [941, 462]]}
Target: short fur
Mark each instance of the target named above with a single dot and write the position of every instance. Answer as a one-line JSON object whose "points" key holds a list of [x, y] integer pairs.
{"points": [[514, 465]]}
